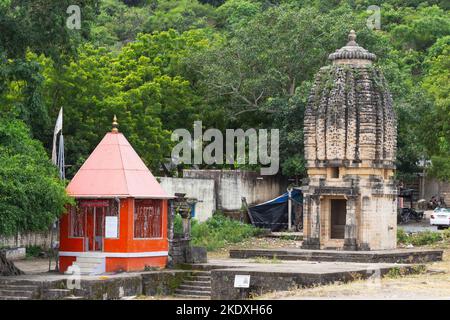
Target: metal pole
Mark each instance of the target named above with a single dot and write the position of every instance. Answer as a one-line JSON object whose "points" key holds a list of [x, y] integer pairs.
{"points": [[50, 256], [289, 209]]}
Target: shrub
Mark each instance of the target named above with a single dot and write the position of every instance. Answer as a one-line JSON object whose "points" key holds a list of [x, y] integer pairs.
{"points": [[446, 235], [217, 231], [420, 238], [33, 251], [402, 236]]}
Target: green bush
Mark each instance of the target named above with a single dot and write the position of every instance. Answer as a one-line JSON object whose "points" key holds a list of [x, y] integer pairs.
{"points": [[33, 251], [446, 235], [217, 231], [402, 236], [420, 238]]}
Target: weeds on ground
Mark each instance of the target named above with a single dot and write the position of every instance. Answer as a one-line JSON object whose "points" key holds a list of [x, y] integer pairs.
{"points": [[266, 260], [217, 231], [422, 238], [398, 272]]}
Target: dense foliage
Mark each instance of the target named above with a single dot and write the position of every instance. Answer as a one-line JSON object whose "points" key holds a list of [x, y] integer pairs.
{"points": [[161, 64], [31, 194], [243, 64]]}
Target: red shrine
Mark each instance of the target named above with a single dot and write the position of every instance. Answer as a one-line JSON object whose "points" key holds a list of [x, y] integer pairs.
{"points": [[119, 222]]}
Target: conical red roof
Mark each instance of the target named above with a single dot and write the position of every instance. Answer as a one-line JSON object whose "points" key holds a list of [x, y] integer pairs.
{"points": [[114, 169]]}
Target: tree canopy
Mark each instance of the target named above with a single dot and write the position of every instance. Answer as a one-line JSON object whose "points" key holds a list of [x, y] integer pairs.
{"points": [[31, 194], [160, 65]]}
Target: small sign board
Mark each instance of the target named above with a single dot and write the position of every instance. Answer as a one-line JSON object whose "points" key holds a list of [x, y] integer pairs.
{"points": [[111, 227], [94, 203], [242, 281]]}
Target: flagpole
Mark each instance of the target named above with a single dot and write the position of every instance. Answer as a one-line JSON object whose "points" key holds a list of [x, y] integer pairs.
{"points": [[59, 161]]}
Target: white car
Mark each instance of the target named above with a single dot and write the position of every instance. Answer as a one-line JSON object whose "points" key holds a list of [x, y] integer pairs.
{"points": [[440, 218]]}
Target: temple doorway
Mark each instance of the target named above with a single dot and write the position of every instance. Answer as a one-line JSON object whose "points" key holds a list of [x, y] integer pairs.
{"points": [[338, 218]]}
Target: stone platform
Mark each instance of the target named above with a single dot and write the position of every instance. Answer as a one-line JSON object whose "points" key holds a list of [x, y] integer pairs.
{"points": [[385, 256], [280, 275], [53, 286]]}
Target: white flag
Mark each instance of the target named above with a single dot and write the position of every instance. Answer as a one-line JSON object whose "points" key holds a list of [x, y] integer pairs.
{"points": [[58, 128]]}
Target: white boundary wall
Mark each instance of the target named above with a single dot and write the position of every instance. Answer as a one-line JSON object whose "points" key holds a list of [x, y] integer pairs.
{"points": [[224, 189], [201, 189]]}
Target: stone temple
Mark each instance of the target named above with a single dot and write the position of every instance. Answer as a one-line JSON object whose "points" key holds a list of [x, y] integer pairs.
{"points": [[350, 199]]}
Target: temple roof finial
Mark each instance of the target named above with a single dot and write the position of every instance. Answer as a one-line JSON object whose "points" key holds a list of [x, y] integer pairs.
{"points": [[115, 125], [352, 53], [352, 38]]}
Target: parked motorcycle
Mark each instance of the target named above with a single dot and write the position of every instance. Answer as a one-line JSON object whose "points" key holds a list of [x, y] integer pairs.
{"points": [[408, 214]]}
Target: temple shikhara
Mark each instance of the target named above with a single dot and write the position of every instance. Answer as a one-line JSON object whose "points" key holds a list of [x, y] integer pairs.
{"points": [[350, 201], [119, 222]]}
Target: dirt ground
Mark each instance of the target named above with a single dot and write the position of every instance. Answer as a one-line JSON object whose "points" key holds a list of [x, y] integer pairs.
{"points": [[434, 285]]}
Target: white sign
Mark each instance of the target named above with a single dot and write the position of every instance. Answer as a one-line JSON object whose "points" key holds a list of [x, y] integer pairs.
{"points": [[241, 281], [111, 227]]}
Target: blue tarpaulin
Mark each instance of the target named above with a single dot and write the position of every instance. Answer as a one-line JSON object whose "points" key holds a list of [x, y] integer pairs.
{"points": [[273, 214]]}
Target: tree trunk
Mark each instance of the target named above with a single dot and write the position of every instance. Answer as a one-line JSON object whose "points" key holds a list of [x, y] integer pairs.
{"points": [[7, 268]]}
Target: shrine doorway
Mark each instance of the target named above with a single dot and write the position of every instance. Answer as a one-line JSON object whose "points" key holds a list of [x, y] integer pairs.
{"points": [[338, 218]]}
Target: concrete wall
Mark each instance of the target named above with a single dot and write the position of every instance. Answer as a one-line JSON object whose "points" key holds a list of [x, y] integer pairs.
{"points": [[222, 280], [223, 189], [201, 189], [232, 185], [432, 187], [29, 239]]}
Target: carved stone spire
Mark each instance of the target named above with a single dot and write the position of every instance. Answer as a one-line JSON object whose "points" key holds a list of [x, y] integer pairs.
{"points": [[349, 117]]}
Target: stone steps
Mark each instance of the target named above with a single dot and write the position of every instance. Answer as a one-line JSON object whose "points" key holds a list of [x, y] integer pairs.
{"points": [[196, 286], [202, 283], [181, 293], [199, 278], [11, 290], [14, 298], [88, 265], [201, 273], [190, 296], [57, 294], [16, 293]]}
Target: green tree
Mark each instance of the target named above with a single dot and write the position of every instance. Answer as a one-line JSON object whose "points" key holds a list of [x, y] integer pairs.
{"points": [[141, 84], [31, 195], [117, 23], [37, 26], [437, 83], [181, 15], [254, 74]]}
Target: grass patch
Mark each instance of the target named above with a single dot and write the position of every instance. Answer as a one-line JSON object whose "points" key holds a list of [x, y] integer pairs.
{"points": [[421, 238], [401, 272], [266, 260], [289, 237], [217, 232]]}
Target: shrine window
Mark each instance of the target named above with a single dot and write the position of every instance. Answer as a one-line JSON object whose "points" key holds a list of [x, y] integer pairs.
{"points": [[91, 209], [335, 174], [147, 219], [77, 222]]}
